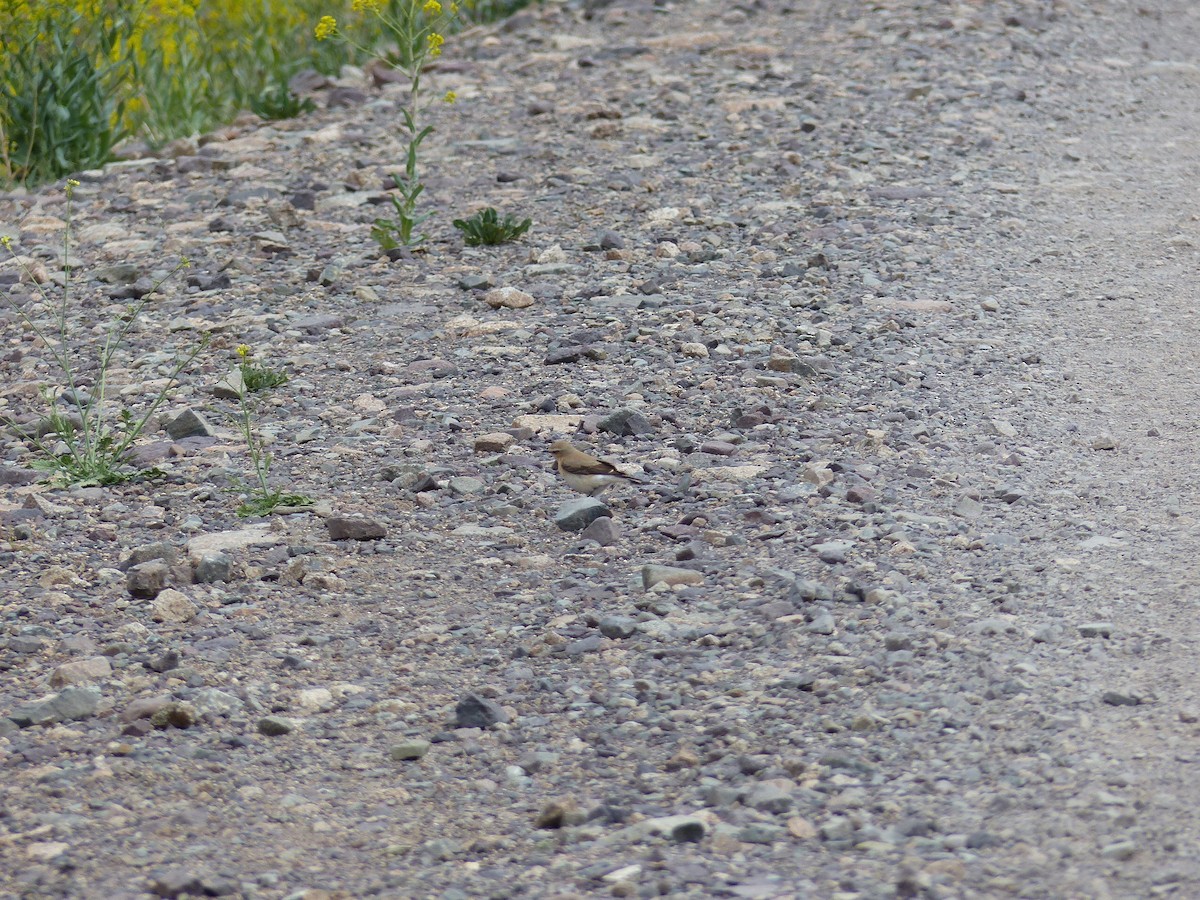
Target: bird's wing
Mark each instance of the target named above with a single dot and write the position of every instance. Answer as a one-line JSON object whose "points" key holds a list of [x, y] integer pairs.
{"points": [[593, 467], [611, 469]]}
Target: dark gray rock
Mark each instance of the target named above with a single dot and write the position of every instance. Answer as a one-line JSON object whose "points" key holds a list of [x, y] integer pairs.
{"points": [[188, 423], [354, 528], [159, 550], [602, 530], [476, 282], [474, 711], [213, 567], [70, 705], [576, 515], [147, 580], [274, 726], [617, 627], [181, 883], [624, 422]]}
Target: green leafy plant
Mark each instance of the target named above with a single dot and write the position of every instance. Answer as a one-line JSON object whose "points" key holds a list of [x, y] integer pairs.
{"points": [[261, 498], [278, 102], [81, 440], [62, 88], [486, 227], [257, 377], [417, 31]]}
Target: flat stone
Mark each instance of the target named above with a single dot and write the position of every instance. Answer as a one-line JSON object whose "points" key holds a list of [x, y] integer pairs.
{"points": [[761, 833], [507, 298], [564, 355], [212, 568], [672, 575], [1121, 850], [77, 703], [69, 705], [968, 508], [474, 711], [576, 515], [1120, 698], [623, 422], [728, 473], [768, 798], [475, 282], [144, 707], [541, 423], [354, 528], [718, 448], [602, 530], [617, 627], [465, 486], [250, 536], [482, 531], [81, 671], [409, 750], [212, 703], [314, 700], [833, 551], [275, 726], [188, 423], [1096, 629], [494, 442], [184, 883]]}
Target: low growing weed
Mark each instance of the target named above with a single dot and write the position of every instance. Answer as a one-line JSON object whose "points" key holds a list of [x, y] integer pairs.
{"points": [[417, 30], [486, 227], [261, 498], [82, 441]]}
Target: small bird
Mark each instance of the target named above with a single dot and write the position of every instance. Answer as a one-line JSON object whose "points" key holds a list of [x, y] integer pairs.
{"points": [[584, 472]]}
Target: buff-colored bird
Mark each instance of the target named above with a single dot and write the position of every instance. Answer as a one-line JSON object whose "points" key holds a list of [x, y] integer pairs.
{"points": [[584, 472]]}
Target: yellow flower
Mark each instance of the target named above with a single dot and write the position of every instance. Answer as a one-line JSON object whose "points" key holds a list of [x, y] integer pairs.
{"points": [[450, 97], [435, 43], [243, 350], [6, 240], [365, 5], [325, 28], [432, 8]]}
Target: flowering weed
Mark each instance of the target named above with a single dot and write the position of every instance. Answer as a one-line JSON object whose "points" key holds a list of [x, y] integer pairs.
{"points": [[417, 31], [89, 445], [261, 498]]}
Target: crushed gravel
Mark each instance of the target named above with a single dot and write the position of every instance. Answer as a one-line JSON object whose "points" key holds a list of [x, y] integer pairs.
{"points": [[892, 306]]}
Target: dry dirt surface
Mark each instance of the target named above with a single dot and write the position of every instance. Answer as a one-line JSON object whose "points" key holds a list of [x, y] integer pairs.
{"points": [[893, 306]]}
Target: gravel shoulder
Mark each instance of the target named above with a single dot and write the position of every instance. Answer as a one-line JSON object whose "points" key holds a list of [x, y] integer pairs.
{"points": [[893, 308]]}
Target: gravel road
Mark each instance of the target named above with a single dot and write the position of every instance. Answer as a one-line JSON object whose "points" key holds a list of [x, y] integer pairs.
{"points": [[891, 304]]}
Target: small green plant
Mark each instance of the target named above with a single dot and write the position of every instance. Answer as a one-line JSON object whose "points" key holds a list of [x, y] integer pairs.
{"points": [[262, 499], [90, 446], [278, 102], [417, 30], [256, 377], [486, 227]]}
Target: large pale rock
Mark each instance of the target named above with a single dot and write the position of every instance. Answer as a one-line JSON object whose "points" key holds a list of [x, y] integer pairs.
{"points": [[81, 671], [173, 607]]}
